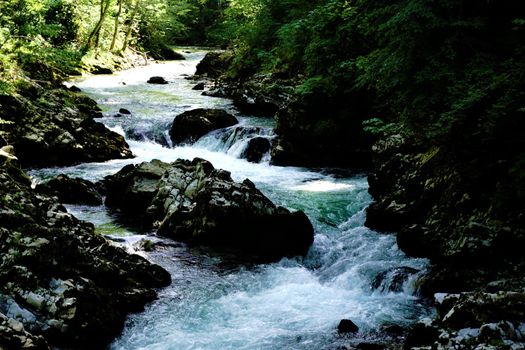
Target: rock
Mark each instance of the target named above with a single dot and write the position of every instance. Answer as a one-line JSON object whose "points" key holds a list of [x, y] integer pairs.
{"points": [[98, 70], [199, 86], [157, 135], [191, 125], [157, 80], [424, 333], [193, 202], [74, 88], [473, 320], [167, 53], [443, 211], [474, 309], [8, 153], [72, 190], [124, 111], [214, 64], [256, 149], [56, 127], [392, 280], [393, 330], [133, 188], [347, 326], [13, 336], [58, 278]]}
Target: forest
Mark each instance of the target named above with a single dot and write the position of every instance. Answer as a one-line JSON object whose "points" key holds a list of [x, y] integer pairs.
{"points": [[425, 98]]}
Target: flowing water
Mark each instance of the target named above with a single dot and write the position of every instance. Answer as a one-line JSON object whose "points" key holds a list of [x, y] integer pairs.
{"points": [[212, 304]]}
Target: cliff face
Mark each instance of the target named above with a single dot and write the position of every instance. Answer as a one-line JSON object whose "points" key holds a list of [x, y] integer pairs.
{"points": [[464, 213]]}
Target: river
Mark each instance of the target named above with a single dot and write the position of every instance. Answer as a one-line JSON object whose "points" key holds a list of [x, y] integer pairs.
{"points": [[212, 302]]}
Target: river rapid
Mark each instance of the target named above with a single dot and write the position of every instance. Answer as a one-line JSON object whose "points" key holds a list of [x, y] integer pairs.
{"points": [[214, 303]]}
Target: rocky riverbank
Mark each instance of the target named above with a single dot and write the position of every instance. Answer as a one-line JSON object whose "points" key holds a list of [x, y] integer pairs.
{"points": [[50, 126], [466, 219], [60, 283]]}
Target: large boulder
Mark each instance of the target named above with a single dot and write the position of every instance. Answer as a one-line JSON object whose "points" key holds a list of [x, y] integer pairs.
{"points": [[256, 149], [58, 278], [56, 127], [191, 125], [157, 80], [71, 190], [214, 64], [193, 202]]}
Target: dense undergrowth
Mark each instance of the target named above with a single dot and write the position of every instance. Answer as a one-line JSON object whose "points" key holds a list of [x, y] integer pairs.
{"points": [[448, 73]]}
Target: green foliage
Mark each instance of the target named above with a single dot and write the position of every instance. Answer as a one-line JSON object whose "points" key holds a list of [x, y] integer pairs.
{"points": [[377, 126]]}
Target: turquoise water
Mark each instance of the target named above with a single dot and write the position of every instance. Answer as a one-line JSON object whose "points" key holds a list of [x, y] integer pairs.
{"points": [[212, 303]]}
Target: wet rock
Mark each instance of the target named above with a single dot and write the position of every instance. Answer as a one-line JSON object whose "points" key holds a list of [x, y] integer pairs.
{"points": [[124, 111], [157, 80], [98, 70], [199, 86], [58, 278], [74, 88], [71, 190], [56, 127], [392, 280], [214, 64], [370, 346], [133, 188], [256, 149], [347, 326], [191, 125], [155, 135], [193, 202]]}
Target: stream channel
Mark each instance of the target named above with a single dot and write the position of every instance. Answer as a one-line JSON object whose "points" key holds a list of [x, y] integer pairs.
{"points": [[291, 304]]}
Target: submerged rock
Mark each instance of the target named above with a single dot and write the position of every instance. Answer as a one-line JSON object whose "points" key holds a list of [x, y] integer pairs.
{"points": [[392, 280], [347, 326], [72, 190], [191, 125], [199, 86], [256, 149], [56, 127], [58, 278], [124, 111], [194, 202]]}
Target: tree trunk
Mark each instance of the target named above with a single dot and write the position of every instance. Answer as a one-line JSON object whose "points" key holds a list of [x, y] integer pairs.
{"points": [[115, 31], [130, 26], [95, 34]]}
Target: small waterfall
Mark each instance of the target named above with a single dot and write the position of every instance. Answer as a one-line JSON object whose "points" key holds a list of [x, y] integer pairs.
{"points": [[234, 140]]}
